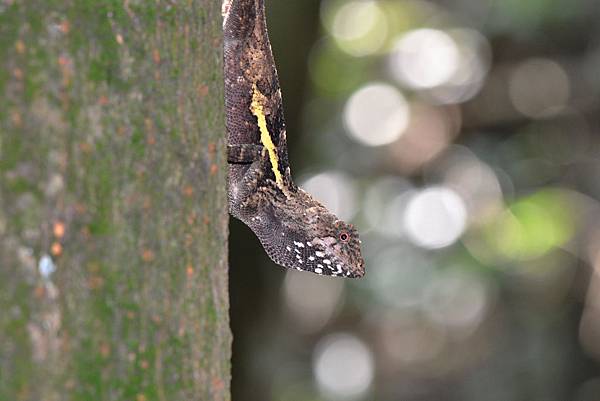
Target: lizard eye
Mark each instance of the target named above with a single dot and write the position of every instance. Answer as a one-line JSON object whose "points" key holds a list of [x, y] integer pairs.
{"points": [[344, 236]]}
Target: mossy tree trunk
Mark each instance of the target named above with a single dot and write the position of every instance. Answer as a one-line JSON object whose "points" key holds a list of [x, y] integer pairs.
{"points": [[113, 219]]}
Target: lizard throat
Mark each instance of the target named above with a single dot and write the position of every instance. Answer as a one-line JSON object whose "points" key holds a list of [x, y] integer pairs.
{"points": [[257, 109]]}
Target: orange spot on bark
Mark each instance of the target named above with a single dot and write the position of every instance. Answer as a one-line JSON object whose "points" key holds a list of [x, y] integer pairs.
{"points": [[212, 148], [104, 350], [95, 282], [58, 229], [144, 364], [39, 292], [63, 60], [148, 255], [202, 90], [16, 118], [189, 271], [85, 147], [188, 190], [103, 100], [20, 46], [191, 218], [150, 139], [56, 249], [147, 203], [141, 397], [18, 73], [156, 56], [130, 315], [218, 384], [214, 169], [65, 27]]}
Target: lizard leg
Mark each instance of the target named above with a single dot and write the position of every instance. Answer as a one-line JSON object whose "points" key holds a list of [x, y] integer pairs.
{"points": [[245, 153], [242, 185]]}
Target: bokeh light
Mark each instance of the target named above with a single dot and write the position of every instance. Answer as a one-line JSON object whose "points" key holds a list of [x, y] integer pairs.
{"points": [[377, 114], [470, 72], [311, 300], [473, 180], [425, 58], [358, 27], [399, 276], [343, 366], [385, 201], [589, 326], [325, 71], [435, 217], [532, 226], [430, 131], [457, 300], [335, 190], [409, 340], [539, 87]]}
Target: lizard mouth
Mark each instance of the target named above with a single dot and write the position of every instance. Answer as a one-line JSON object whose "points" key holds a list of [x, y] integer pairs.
{"points": [[355, 274], [334, 260], [358, 273]]}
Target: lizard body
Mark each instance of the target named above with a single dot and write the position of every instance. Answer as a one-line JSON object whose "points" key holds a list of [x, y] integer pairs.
{"points": [[296, 231]]}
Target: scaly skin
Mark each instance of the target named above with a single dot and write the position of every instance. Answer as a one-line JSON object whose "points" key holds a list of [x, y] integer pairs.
{"points": [[296, 231]]}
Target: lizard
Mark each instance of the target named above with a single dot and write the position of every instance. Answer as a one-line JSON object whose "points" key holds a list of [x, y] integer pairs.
{"points": [[295, 230]]}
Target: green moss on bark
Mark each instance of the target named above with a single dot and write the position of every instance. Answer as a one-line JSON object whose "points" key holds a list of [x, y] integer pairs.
{"points": [[112, 169]]}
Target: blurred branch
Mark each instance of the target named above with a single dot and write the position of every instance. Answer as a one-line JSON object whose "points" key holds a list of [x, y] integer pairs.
{"points": [[113, 219]]}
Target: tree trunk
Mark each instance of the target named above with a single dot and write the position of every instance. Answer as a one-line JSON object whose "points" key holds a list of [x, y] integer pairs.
{"points": [[113, 211]]}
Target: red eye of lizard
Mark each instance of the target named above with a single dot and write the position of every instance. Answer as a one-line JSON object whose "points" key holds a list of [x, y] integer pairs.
{"points": [[344, 236]]}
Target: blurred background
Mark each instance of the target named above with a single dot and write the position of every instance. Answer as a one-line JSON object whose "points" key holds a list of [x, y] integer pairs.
{"points": [[461, 138]]}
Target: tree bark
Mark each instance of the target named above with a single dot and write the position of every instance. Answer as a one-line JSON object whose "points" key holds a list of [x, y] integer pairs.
{"points": [[113, 211]]}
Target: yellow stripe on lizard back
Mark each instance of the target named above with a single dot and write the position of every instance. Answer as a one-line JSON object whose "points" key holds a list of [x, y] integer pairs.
{"points": [[256, 107]]}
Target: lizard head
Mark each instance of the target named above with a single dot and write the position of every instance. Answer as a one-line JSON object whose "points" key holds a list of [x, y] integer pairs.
{"points": [[300, 233], [335, 251]]}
